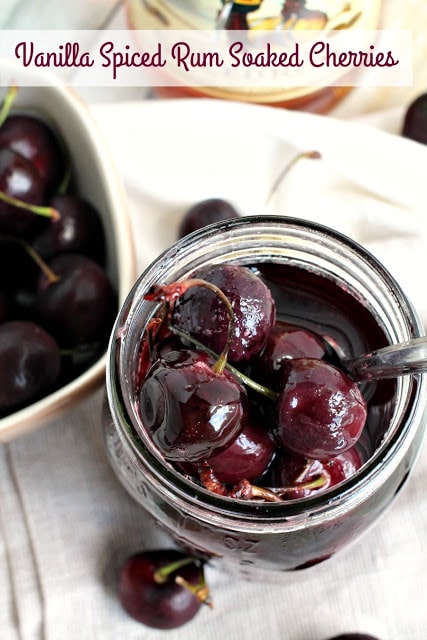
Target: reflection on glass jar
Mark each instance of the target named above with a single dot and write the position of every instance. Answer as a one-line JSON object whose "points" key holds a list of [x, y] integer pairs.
{"points": [[258, 15], [321, 280]]}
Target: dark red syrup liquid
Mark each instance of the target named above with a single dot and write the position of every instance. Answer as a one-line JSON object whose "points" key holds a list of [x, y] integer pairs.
{"points": [[319, 304]]}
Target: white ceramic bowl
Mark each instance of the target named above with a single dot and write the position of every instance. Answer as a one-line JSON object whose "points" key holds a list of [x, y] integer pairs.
{"points": [[98, 180]]}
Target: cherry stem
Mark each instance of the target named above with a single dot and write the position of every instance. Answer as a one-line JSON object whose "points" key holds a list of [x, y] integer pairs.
{"points": [[162, 574], [317, 482], [312, 155], [153, 326], [252, 384], [199, 590], [7, 103], [210, 481], [249, 491], [171, 292], [65, 182], [47, 212], [47, 271], [305, 471], [244, 490]]}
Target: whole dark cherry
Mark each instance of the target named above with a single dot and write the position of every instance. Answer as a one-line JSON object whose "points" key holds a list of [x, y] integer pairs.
{"points": [[33, 139], [162, 588], [203, 315], [190, 409], [285, 341], [31, 363], [79, 229], [20, 180], [247, 457], [415, 120], [81, 305], [321, 411], [206, 212]]}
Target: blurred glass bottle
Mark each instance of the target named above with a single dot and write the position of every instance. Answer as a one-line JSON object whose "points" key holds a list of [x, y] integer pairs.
{"points": [[258, 15], [234, 15]]}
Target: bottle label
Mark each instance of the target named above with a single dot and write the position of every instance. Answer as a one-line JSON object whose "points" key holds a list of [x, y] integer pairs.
{"points": [[248, 3]]}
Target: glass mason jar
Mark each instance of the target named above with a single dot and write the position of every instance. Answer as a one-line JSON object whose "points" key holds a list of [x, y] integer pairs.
{"points": [[261, 15], [339, 289]]}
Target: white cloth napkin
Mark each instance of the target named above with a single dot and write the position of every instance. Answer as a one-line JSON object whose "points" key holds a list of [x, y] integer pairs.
{"points": [[65, 522], [369, 184]]}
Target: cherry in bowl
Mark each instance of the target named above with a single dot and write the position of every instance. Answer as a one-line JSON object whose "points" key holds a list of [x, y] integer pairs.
{"points": [[96, 179]]}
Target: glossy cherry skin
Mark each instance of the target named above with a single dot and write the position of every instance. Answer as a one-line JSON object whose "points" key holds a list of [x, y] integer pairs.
{"points": [[81, 306], [321, 411], [19, 179], [247, 457], [189, 408], [202, 314], [79, 230], [415, 120], [204, 213], [161, 606], [33, 139], [285, 341], [304, 477], [30, 364]]}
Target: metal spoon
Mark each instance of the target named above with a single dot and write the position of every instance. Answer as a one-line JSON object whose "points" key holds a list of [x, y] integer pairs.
{"points": [[391, 361]]}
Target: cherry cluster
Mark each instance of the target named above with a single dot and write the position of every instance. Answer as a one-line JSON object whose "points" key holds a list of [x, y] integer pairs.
{"points": [[241, 402], [57, 304]]}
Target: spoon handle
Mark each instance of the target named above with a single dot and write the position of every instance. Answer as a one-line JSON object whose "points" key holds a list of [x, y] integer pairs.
{"points": [[390, 362]]}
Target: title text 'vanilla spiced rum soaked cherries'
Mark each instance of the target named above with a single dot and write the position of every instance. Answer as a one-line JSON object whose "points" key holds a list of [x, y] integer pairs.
{"points": [[259, 15], [228, 413]]}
